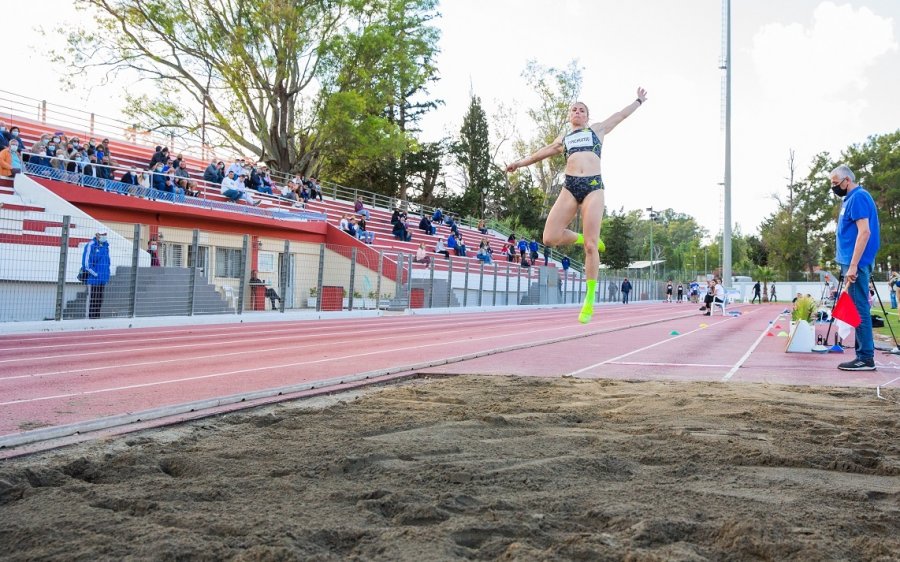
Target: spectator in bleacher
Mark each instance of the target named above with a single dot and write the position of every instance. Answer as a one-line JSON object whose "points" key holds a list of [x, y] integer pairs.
{"points": [[363, 233], [131, 177], [267, 181], [482, 228], [304, 192], [347, 226], [421, 255], [187, 186], [104, 170], [158, 177], [95, 261], [522, 246], [452, 244], [220, 172], [438, 216], [179, 160], [566, 262], [395, 216], [359, 208], [181, 171], [546, 255], [254, 181], [237, 167], [107, 153], [484, 254], [172, 184], [90, 169], [4, 137], [525, 262], [400, 231], [211, 173], [10, 159], [451, 224], [315, 189], [534, 247], [426, 226], [161, 155], [510, 252], [235, 189], [289, 191], [461, 249], [439, 248]]}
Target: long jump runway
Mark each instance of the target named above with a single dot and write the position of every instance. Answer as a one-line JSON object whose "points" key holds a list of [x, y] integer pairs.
{"points": [[58, 385]]}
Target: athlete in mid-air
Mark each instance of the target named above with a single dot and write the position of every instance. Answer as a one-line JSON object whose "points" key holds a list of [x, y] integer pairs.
{"points": [[584, 186]]}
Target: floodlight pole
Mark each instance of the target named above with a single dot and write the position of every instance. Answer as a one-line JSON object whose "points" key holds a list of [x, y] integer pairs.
{"points": [[726, 234]]}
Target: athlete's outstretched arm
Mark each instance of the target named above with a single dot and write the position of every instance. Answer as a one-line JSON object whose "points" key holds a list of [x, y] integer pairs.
{"points": [[610, 123], [551, 149]]}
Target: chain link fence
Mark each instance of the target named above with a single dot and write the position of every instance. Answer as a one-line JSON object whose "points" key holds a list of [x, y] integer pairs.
{"points": [[146, 270]]}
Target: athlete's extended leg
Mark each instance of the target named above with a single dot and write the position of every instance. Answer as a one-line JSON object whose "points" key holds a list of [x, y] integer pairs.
{"points": [[556, 232], [591, 217]]}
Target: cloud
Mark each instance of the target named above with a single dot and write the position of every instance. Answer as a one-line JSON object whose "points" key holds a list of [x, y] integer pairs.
{"points": [[833, 53]]}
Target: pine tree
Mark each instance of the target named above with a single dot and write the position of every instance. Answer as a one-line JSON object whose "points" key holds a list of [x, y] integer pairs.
{"points": [[618, 239]]}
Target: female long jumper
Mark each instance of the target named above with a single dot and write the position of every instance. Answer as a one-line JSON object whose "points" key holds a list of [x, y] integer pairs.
{"points": [[584, 187]]}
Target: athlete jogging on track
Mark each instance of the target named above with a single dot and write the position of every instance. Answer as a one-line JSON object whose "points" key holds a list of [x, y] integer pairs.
{"points": [[584, 187]]}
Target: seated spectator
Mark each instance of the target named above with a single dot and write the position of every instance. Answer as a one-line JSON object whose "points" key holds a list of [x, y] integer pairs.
{"points": [[395, 216], [426, 226], [233, 189], [422, 256], [10, 159], [268, 186], [400, 232], [362, 233], [237, 167], [484, 255], [271, 294], [482, 228], [90, 169], [566, 263], [289, 191], [211, 173], [304, 192], [438, 216], [161, 155], [107, 153], [440, 249], [4, 137], [452, 244], [315, 189], [525, 262], [131, 177], [460, 247], [181, 171], [451, 224], [347, 226], [359, 209], [104, 170], [188, 187]]}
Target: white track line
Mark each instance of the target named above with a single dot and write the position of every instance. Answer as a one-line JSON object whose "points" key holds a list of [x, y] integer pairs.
{"points": [[651, 364], [746, 356]]}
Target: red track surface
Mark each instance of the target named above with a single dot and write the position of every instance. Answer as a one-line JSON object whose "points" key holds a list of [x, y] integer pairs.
{"points": [[69, 378]]}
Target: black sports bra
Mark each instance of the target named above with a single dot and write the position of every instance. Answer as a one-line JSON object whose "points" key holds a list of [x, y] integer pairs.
{"points": [[581, 140]]}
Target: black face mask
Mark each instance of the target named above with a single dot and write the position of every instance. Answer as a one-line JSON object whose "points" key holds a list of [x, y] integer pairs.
{"points": [[837, 190]]}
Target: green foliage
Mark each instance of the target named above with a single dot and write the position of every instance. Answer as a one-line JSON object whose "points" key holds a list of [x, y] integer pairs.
{"points": [[318, 86], [472, 153], [804, 309], [617, 237]]}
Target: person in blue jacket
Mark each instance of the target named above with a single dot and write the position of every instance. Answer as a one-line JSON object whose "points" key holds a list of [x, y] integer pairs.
{"points": [[95, 262]]}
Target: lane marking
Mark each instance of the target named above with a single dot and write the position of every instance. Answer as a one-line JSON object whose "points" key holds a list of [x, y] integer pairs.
{"points": [[746, 356], [287, 346], [651, 364], [493, 351]]}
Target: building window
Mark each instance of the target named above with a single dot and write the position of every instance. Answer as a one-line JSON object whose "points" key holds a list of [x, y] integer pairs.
{"points": [[228, 262]]}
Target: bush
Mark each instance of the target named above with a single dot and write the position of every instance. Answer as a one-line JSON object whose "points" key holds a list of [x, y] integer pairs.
{"points": [[804, 309]]}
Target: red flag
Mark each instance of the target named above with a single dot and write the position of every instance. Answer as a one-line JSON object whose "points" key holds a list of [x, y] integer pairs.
{"points": [[846, 317]]}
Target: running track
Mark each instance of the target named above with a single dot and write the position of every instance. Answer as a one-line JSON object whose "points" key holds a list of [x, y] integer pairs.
{"points": [[53, 385]]}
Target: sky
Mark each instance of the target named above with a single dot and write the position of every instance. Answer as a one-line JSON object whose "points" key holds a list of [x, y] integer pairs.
{"points": [[807, 75]]}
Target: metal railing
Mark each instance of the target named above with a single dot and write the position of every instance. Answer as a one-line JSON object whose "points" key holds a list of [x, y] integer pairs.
{"points": [[175, 196]]}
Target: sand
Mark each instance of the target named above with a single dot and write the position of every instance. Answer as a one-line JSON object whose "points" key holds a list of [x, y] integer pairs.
{"points": [[482, 468]]}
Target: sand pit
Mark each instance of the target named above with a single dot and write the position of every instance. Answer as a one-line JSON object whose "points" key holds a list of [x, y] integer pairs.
{"points": [[482, 468]]}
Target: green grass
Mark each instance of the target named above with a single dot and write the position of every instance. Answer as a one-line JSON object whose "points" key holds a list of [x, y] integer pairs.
{"points": [[892, 319]]}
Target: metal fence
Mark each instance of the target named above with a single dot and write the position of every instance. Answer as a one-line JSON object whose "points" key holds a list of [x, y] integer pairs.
{"points": [[168, 271]]}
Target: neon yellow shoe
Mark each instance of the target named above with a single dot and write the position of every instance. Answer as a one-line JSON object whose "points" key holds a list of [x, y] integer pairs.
{"points": [[587, 312]]}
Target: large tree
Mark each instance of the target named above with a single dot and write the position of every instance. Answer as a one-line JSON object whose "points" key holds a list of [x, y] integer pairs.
{"points": [[472, 153], [617, 239], [287, 81]]}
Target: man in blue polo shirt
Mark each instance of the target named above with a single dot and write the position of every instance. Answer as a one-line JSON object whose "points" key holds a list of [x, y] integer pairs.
{"points": [[858, 239]]}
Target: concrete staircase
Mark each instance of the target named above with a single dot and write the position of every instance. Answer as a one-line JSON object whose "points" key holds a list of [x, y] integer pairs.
{"points": [[161, 291]]}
